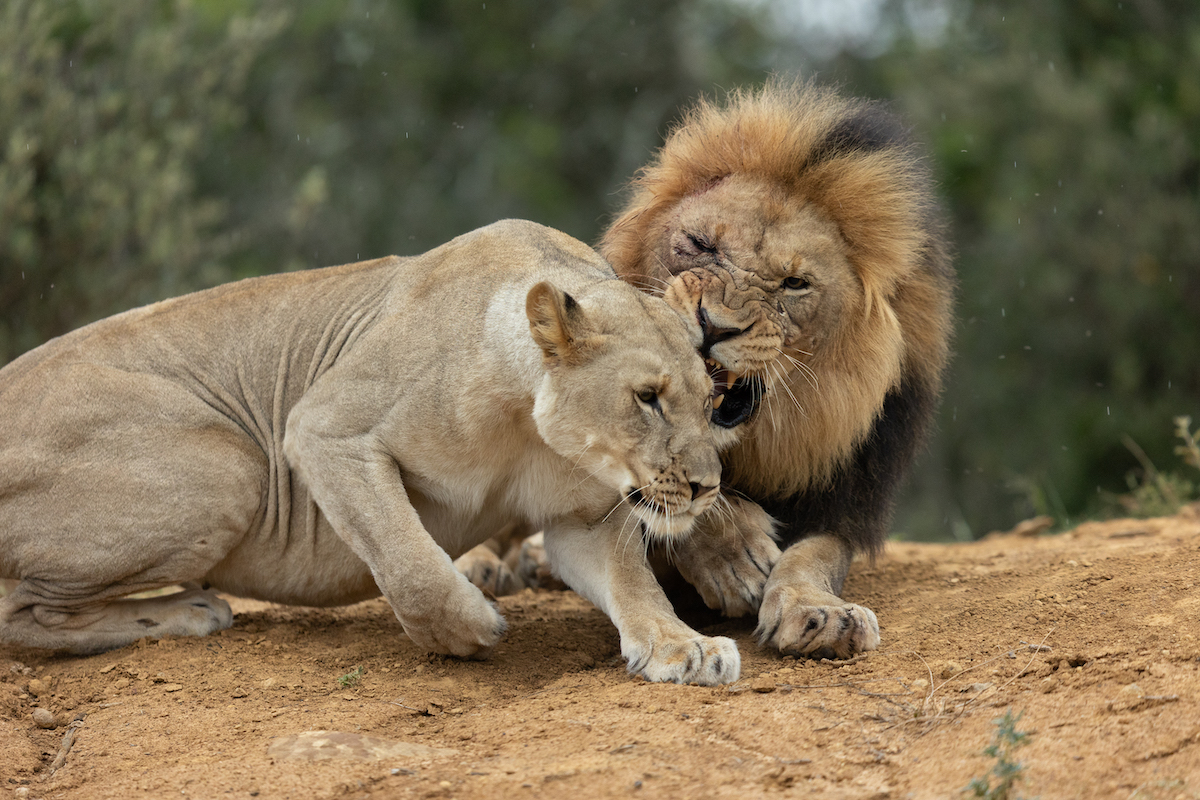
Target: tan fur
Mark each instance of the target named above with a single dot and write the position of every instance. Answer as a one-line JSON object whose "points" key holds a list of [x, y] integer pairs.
{"points": [[759, 141], [322, 437], [762, 188]]}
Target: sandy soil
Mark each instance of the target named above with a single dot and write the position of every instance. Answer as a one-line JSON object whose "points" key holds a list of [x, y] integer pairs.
{"points": [[1090, 635]]}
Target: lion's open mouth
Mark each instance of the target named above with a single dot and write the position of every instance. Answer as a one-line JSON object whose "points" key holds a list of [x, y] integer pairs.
{"points": [[734, 400]]}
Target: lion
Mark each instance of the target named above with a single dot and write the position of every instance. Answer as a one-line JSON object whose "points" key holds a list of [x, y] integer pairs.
{"points": [[797, 230], [327, 436]]}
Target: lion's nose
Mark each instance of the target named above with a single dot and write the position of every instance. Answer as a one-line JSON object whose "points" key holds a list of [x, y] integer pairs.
{"points": [[712, 332], [703, 490]]}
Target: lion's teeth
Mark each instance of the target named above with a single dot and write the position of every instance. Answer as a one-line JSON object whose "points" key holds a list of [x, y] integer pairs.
{"points": [[717, 401]]}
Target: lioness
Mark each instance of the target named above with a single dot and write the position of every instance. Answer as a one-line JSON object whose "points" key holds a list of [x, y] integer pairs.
{"points": [[322, 437]]}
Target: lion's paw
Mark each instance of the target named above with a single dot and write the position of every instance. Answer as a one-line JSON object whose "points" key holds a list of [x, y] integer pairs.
{"points": [[681, 655], [796, 628], [483, 568], [729, 558], [465, 624]]}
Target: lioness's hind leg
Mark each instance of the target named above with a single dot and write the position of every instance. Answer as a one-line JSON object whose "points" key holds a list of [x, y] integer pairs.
{"points": [[42, 615], [532, 565], [483, 567]]}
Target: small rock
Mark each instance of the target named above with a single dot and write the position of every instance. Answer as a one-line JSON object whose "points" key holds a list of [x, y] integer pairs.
{"points": [[21, 792], [1048, 685], [38, 687], [920, 686], [44, 718], [172, 687], [1129, 697], [951, 668], [763, 685]]}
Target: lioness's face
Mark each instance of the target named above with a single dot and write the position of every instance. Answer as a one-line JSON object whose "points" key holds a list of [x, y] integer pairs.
{"points": [[633, 409], [764, 279]]}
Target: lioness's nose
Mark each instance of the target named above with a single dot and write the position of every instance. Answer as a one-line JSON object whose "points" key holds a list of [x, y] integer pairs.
{"points": [[701, 490]]}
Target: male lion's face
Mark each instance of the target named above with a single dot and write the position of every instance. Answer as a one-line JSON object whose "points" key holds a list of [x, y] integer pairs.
{"points": [[764, 279]]}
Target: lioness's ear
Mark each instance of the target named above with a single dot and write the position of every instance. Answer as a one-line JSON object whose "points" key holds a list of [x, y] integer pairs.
{"points": [[557, 323]]}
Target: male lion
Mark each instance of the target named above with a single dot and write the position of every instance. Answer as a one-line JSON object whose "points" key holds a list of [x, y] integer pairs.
{"points": [[322, 437], [797, 229]]}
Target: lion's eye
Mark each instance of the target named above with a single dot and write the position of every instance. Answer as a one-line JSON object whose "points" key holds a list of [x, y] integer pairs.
{"points": [[795, 282], [701, 243], [648, 397]]}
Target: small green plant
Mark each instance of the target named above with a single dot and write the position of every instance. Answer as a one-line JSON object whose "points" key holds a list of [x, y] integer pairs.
{"points": [[1189, 450], [1007, 771], [1159, 494], [352, 678]]}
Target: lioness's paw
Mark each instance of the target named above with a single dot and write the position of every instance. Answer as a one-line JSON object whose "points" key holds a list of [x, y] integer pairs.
{"points": [[192, 612], [533, 565], [729, 558], [209, 613], [464, 625], [681, 655], [483, 568], [797, 628]]}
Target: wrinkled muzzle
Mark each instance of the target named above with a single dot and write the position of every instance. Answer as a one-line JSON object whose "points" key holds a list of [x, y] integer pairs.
{"points": [[736, 344]]}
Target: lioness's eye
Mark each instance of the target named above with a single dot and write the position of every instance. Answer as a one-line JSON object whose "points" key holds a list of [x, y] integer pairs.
{"points": [[648, 396], [795, 282]]}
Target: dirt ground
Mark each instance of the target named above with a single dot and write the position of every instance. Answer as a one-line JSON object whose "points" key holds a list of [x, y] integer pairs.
{"points": [[1090, 635]]}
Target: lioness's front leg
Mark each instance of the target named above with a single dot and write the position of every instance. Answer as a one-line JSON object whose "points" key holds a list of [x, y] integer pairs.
{"points": [[801, 613], [357, 485], [612, 572]]}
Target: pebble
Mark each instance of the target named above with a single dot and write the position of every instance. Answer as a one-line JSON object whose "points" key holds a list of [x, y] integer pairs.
{"points": [[1129, 697], [763, 685], [44, 718], [38, 687], [920, 686], [951, 668]]}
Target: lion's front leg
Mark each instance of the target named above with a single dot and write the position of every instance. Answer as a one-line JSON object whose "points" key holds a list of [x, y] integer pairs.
{"points": [[611, 571], [729, 556], [801, 613]]}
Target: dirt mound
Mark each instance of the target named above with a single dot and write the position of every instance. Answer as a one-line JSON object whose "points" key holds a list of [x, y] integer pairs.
{"points": [[1091, 636]]}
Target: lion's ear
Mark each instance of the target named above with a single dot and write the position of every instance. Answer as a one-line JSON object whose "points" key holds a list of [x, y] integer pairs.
{"points": [[557, 323]]}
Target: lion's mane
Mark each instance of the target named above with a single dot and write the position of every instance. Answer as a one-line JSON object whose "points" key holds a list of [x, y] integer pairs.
{"points": [[837, 465]]}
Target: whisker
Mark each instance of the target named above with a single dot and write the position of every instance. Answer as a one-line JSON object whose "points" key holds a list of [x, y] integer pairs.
{"points": [[788, 389]]}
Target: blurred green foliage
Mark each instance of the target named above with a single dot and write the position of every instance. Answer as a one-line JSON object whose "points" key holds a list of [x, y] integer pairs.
{"points": [[151, 147], [1067, 138], [105, 108]]}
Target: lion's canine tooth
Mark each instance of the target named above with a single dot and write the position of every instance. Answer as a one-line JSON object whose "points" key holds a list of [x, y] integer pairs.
{"points": [[718, 400]]}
